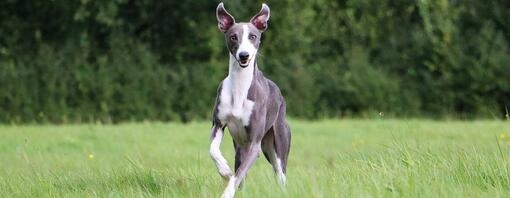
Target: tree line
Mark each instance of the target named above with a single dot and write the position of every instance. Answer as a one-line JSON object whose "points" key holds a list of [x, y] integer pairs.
{"points": [[126, 60]]}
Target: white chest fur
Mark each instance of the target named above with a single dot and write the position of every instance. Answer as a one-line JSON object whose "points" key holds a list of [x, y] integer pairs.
{"points": [[235, 108], [234, 104]]}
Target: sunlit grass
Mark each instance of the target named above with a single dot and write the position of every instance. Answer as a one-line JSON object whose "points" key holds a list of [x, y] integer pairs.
{"points": [[347, 158]]}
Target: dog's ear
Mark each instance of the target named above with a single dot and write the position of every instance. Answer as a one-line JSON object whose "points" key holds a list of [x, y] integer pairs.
{"points": [[260, 20], [225, 20]]}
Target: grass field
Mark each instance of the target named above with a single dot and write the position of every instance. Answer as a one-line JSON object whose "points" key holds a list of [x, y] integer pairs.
{"points": [[346, 158]]}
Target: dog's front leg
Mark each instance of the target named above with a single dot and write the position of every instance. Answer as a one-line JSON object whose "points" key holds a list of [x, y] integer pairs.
{"points": [[215, 152], [249, 155]]}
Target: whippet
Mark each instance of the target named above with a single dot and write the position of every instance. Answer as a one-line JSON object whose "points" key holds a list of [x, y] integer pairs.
{"points": [[249, 104]]}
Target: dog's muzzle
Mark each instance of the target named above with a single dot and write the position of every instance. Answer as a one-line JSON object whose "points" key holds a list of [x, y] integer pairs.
{"points": [[244, 59]]}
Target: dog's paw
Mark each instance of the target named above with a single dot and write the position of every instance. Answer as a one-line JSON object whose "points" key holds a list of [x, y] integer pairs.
{"points": [[227, 195], [231, 189], [225, 172]]}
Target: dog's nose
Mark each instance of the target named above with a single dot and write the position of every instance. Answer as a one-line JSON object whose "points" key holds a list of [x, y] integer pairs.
{"points": [[243, 55]]}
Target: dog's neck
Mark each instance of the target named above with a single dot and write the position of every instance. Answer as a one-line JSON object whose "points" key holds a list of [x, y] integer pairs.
{"points": [[234, 69], [240, 82]]}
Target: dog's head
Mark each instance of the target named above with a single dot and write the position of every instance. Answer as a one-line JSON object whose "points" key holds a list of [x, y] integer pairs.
{"points": [[243, 39]]}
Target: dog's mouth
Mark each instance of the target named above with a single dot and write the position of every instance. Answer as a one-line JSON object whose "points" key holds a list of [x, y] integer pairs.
{"points": [[244, 63]]}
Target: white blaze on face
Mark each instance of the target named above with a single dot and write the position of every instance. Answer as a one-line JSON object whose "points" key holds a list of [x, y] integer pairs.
{"points": [[246, 46]]}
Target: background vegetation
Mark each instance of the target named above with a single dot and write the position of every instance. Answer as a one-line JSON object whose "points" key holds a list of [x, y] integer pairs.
{"points": [[86, 60]]}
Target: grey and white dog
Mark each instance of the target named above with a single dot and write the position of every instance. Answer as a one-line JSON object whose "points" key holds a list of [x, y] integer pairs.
{"points": [[249, 104]]}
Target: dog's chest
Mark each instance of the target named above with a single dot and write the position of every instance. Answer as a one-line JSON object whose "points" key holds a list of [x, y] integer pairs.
{"points": [[234, 108]]}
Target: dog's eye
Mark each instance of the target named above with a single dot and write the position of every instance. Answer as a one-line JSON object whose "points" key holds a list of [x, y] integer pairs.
{"points": [[233, 38], [252, 37]]}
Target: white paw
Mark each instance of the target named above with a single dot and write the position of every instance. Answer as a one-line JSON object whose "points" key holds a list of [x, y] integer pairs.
{"points": [[282, 180], [225, 172], [231, 188], [227, 195]]}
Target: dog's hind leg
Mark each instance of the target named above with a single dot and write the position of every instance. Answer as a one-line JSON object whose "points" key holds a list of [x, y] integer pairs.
{"points": [[282, 138], [268, 147], [237, 160], [269, 150], [277, 158]]}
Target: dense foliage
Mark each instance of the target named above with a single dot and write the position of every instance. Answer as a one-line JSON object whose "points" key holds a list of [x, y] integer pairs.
{"points": [[72, 61]]}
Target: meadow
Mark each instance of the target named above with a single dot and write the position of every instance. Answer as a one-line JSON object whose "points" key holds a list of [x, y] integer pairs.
{"points": [[330, 158]]}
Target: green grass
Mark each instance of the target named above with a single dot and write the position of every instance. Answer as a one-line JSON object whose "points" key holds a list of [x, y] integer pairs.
{"points": [[347, 158]]}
